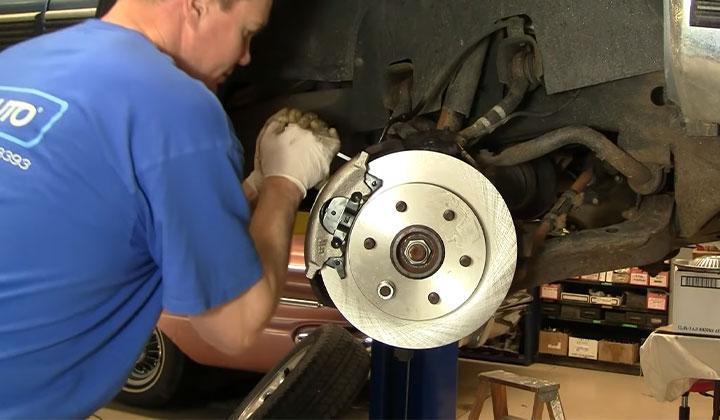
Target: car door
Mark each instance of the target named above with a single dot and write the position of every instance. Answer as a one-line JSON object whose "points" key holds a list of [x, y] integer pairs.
{"points": [[24, 19], [64, 13]]}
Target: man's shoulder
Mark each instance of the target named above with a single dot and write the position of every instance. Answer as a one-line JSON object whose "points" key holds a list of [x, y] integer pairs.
{"points": [[129, 71], [95, 55], [121, 82]]}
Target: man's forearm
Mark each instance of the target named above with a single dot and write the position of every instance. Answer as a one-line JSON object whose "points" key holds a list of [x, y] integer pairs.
{"points": [[296, 159], [234, 326], [271, 228]]}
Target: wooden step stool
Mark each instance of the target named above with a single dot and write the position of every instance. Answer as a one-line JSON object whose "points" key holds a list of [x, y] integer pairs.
{"points": [[492, 384]]}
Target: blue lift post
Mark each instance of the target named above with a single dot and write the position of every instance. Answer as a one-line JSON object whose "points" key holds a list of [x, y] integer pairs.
{"points": [[413, 384]]}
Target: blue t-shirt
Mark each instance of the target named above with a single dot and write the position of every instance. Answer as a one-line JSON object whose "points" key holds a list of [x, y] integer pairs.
{"points": [[120, 196]]}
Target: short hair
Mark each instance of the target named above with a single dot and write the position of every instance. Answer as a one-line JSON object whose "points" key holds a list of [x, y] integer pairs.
{"points": [[224, 4], [106, 5]]}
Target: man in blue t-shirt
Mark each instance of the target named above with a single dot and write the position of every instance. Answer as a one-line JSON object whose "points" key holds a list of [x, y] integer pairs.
{"points": [[121, 195]]}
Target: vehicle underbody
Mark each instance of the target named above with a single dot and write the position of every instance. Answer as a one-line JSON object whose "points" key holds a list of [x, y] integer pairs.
{"points": [[562, 105]]}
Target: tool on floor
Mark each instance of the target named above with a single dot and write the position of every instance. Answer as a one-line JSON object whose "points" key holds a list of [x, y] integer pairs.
{"points": [[493, 384]]}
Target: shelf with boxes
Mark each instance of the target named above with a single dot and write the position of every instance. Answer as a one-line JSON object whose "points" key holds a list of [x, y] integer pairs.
{"points": [[631, 277], [633, 322], [601, 350], [577, 311], [628, 369], [618, 296], [611, 284], [598, 321]]}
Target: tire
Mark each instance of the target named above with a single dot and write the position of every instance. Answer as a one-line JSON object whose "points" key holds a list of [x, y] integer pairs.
{"points": [[157, 376], [319, 378]]}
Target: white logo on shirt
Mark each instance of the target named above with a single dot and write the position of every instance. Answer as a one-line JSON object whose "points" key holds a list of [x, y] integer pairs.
{"points": [[18, 113], [26, 115]]}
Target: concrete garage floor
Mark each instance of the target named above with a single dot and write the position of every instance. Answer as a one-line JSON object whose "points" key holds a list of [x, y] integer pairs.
{"points": [[585, 394]]}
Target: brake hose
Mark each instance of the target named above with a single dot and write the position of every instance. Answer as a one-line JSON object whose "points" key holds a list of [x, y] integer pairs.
{"points": [[443, 79]]}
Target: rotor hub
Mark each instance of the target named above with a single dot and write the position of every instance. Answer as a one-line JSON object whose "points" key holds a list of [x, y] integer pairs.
{"points": [[417, 252], [424, 251]]}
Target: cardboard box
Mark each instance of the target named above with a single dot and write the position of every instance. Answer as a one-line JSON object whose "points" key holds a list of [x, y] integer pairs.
{"points": [[635, 299], [553, 342], [606, 300], [570, 312], [590, 313], [625, 353], [583, 348], [621, 275], [639, 277], [705, 250], [550, 309], [590, 277], [637, 318], [656, 320], [694, 299], [661, 280], [605, 276], [575, 297], [615, 316], [657, 301], [574, 312], [550, 291]]}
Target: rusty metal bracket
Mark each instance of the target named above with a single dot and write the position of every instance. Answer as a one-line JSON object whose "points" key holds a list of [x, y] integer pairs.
{"points": [[643, 240]]}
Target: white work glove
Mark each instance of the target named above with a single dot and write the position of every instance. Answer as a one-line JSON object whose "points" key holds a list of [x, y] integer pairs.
{"points": [[298, 147], [256, 177]]}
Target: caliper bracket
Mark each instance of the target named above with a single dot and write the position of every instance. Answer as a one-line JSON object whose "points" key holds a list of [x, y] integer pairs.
{"points": [[337, 215]]}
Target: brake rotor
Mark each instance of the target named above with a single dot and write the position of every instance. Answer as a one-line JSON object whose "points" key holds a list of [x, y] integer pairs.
{"points": [[416, 249]]}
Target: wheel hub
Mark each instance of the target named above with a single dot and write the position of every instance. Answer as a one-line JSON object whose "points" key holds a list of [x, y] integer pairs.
{"points": [[148, 365], [417, 252]]}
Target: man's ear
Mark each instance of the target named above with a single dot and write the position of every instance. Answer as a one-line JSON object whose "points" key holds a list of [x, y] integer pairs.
{"points": [[195, 11]]}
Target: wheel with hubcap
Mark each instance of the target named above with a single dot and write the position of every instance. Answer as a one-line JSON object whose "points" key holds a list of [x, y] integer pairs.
{"points": [[157, 375]]}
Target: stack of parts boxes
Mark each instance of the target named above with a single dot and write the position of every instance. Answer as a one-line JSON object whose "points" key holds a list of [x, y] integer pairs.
{"points": [[629, 297]]}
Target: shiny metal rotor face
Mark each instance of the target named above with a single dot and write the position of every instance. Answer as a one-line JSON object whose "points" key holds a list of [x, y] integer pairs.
{"points": [[417, 251], [430, 254]]}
